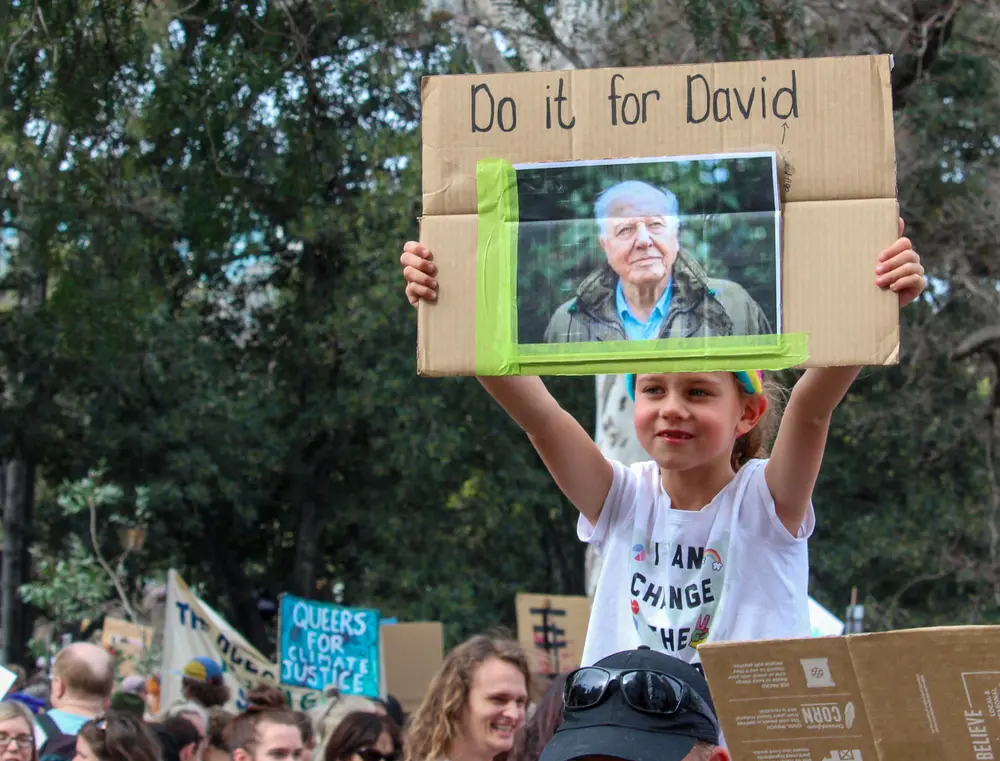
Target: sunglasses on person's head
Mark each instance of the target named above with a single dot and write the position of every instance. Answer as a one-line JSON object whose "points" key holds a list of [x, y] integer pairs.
{"points": [[646, 691]]}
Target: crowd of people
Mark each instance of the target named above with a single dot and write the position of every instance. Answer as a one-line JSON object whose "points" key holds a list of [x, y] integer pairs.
{"points": [[80, 712], [478, 707]]}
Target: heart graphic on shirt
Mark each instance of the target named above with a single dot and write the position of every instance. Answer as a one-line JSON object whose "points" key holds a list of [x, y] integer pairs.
{"points": [[635, 607]]}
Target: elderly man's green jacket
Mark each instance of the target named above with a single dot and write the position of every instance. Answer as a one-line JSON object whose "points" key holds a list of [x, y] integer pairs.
{"points": [[699, 306]]}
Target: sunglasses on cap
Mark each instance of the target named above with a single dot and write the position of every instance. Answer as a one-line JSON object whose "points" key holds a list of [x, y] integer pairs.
{"points": [[646, 691]]}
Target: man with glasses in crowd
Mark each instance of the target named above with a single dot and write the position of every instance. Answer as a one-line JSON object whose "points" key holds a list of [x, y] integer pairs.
{"points": [[637, 705]]}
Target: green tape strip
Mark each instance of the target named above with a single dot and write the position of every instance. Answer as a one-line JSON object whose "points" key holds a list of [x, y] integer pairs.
{"points": [[497, 350], [678, 355], [496, 306]]}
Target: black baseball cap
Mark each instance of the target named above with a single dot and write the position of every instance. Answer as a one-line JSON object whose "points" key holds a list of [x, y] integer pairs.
{"points": [[613, 728]]}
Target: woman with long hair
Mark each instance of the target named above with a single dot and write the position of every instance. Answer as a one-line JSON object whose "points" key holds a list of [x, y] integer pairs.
{"points": [[17, 732], [364, 736], [116, 736], [474, 705]]}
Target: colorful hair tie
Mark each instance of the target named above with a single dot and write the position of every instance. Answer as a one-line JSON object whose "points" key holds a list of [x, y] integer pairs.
{"points": [[751, 381]]}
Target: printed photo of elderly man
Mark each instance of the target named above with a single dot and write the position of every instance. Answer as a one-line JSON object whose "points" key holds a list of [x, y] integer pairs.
{"points": [[639, 282]]}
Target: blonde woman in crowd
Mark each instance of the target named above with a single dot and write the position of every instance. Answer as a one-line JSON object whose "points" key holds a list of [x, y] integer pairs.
{"points": [[475, 704], [17, 732]]}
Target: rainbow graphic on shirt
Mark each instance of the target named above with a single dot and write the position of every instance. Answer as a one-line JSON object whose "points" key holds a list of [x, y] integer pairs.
{"points": [[712, 555]]}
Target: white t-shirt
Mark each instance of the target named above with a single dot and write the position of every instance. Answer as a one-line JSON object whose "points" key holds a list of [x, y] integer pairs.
{"points": [[672, 579]]}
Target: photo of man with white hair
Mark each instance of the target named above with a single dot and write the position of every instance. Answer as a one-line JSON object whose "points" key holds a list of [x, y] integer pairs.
{"points": [[649, 287]]}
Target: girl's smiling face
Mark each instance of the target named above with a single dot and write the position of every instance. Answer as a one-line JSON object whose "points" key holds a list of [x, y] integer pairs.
{"points": [[692, 420]]}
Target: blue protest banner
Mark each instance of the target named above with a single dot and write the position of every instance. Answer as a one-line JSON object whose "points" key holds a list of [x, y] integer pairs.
{"points": [[324, 644]]}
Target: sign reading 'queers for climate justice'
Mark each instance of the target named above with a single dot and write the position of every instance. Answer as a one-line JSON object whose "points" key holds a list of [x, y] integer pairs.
{"points": [[329, 645]]}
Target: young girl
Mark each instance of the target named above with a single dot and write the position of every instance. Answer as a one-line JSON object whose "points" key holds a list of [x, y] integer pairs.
{"points": [[706, 541]]}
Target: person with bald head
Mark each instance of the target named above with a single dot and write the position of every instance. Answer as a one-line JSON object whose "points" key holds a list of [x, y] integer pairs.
{"points": [[83, 678]]}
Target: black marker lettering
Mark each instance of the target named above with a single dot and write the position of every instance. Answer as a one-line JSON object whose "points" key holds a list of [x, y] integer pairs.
{"points": [[704, 100], [793, 108], [613, 97], [690, 99], [513, 114], [630, 98], [630, 101], [476, 89], [724, 91], [739, 103], [560, 99], [496, 110]]}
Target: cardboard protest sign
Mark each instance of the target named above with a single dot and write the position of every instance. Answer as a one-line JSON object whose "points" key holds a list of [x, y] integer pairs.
{"points": [[863, 697], [552, 629], [192, 628], [325, 644], [411, 655], [716, 216], [128, 640]]}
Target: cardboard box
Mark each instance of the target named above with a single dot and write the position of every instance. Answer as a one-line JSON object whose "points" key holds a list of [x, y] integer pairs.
{"points": [[828, 122], [553, 629], [411, 655], [128, 640], [894, 696]]}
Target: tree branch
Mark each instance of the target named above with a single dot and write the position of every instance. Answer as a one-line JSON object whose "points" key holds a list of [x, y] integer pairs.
{"points": [[104, 563], [978, 341], [930, 29]]}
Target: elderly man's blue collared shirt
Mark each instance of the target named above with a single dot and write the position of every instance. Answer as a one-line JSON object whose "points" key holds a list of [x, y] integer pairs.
{"points": [[643, 331]]}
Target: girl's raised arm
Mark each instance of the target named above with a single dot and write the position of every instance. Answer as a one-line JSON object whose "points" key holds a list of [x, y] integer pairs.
{"points": [[571, 456], [574, 460], [797, 454]]}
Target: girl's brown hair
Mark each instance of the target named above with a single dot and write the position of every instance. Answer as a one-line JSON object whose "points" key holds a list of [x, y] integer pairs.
{"points": [[242, 732], [267, 697], [211, 694], [436, 723], [219, 720], [120, 736], [359, 731], [756, 443]]}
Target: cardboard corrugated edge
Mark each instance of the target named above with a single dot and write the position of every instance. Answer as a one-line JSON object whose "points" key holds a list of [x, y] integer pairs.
{"points": [[877, 665]]}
